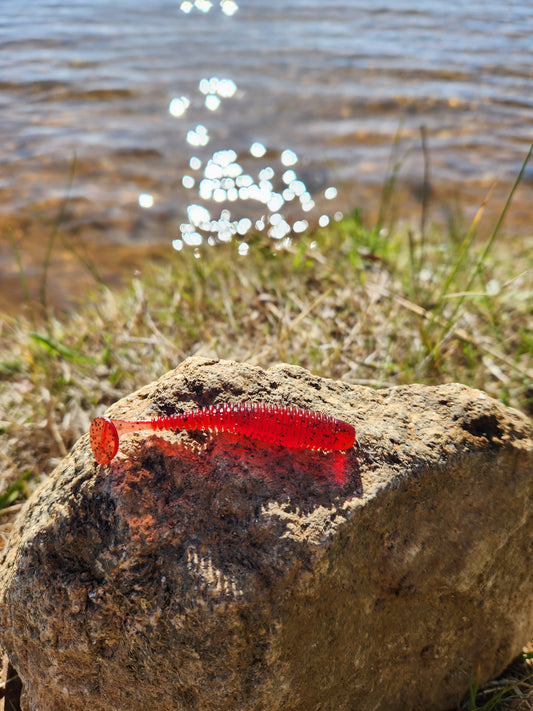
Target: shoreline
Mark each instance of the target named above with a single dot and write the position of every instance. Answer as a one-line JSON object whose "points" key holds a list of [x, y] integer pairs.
{"points": [[88, 249]]}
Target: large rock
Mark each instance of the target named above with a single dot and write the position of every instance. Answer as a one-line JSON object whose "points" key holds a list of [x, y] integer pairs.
{"points": [[207, 572]]}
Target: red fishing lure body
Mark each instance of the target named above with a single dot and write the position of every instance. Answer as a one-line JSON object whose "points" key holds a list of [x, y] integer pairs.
{"points": [[287, 426]]}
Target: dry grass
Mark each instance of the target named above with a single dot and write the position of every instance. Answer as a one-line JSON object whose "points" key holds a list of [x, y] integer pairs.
{"points": [[345, 305]]}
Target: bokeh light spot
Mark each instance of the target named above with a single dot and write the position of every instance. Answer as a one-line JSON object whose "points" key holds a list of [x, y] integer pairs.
{"points": [[229, 7], [257, 149], [146, 200], [179, 106], [289, 157]]}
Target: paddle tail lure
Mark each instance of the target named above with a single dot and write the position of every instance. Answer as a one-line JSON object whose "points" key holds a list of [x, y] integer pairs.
{"points": [[275, 424]]}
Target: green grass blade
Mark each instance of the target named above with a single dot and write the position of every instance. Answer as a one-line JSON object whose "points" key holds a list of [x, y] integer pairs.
{"points": [[483, 256], [62, 350]]}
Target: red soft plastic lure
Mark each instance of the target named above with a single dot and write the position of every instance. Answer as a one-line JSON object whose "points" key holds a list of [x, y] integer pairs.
{"points": [[276, 424]]}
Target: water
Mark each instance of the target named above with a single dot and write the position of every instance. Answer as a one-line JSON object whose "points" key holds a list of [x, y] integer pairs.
{"points": [[122, 86]]}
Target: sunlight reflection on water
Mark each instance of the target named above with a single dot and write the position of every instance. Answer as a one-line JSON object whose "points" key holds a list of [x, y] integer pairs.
{"points": [[228, 7], [259, 197], [223, 180]]}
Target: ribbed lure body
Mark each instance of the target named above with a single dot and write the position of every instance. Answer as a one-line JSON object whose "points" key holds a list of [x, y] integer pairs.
{"points": [[290, 427]]}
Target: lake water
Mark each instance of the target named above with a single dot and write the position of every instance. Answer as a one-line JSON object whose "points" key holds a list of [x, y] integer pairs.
{"points": [[273, 114]]}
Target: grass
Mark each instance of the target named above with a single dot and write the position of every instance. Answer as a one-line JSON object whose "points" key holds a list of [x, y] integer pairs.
{"points": [[512, 691], [377, 305]]}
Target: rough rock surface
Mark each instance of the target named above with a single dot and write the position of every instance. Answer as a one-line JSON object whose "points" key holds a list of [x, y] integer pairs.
{"points": [[210, 572]]}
